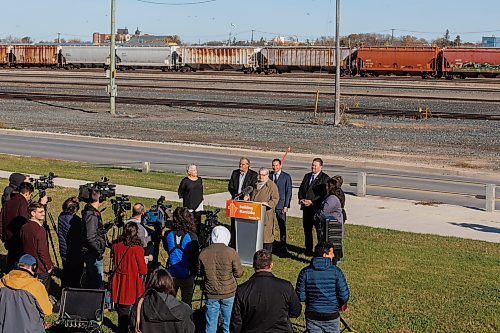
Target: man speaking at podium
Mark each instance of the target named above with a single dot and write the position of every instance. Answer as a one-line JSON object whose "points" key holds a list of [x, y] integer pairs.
{"points": [[266, 193], [241, 179]]}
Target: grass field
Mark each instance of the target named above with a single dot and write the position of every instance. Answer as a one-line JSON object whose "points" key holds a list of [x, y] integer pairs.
{"points": [[168, 181], [399, 282]]}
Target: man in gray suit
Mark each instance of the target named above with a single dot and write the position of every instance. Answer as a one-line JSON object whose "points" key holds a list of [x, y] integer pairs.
{"points": [[284, 183]]}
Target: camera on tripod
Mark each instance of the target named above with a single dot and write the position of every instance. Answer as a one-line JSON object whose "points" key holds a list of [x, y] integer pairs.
{"points": [[205, 228], [158, 215], [103, 187], [121, 204], [43, 183]]}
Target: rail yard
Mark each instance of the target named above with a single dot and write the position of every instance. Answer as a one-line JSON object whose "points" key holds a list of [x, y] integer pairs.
{"points": [[399, 119]]}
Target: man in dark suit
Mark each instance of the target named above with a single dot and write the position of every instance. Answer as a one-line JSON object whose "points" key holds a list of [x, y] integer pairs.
{"points": [[240, 179], [284, 183], [311, 193]]}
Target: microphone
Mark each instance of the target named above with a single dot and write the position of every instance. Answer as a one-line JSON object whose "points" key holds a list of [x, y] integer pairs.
{"points": [[246, 190]]}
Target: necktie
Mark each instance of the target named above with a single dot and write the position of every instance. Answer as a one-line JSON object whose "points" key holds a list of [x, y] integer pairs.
{"points": [[275, 178], [312, 179]]}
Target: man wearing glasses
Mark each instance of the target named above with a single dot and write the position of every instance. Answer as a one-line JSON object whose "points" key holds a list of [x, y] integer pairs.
{"points": [[240, 179]]}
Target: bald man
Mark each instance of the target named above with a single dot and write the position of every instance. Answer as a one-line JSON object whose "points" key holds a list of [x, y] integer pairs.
{"points": [[138, 211]]}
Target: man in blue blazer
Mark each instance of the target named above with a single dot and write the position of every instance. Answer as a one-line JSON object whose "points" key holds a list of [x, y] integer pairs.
{"points": [[284, 183]]}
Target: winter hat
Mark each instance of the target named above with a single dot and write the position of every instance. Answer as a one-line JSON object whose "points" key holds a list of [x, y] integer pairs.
{"points": [[16, 179], [221, 235]]}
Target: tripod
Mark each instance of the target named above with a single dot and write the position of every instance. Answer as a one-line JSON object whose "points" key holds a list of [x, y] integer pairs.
{"points": [[49, 218]]}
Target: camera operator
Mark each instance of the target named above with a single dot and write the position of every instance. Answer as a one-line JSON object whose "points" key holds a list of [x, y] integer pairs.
{"points": [[69, 232], [15, 181], [14, 215], [138, 211], [34, 242], [94, 241]]}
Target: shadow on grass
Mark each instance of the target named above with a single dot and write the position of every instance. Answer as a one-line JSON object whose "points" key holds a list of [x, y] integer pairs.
{"points": [[294, 252], [477, 227]]}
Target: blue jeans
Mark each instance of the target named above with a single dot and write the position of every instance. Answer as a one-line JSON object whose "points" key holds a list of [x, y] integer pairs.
{"points": [[94, 269], [328, 326], [212, 314]]}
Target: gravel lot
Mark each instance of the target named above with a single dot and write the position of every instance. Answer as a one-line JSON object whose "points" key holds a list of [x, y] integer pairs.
{"points": [[433, 142]]}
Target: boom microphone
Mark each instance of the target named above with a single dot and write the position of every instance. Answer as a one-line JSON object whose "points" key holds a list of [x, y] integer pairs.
{"points": [[246, 190]]}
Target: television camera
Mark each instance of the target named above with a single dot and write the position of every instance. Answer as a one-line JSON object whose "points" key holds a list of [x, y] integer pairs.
{"points": [[205, 227], [103, 187], [43, 183]]}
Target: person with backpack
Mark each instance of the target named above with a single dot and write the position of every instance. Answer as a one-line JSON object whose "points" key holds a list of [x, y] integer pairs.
{"points": [[181, 244]]}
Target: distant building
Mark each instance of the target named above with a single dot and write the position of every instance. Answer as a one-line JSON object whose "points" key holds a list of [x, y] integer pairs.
{"points": [[491, 41], [121, 36]]}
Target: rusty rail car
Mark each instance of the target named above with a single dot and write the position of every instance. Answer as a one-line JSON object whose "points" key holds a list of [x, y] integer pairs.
{"points": [[308, 59]]}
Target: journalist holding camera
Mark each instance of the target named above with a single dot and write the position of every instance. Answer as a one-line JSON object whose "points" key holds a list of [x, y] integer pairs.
{"points": [[93, 238]]}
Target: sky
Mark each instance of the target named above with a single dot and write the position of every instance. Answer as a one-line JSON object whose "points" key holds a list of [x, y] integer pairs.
{"points": [[214, 20]]}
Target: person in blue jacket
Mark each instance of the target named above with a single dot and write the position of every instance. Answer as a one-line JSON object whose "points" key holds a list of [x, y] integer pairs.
{"points": [[323, 287]]}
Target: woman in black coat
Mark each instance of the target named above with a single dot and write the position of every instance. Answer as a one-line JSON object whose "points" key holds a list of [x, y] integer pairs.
{"points": [[69, 230], [158, 310]]}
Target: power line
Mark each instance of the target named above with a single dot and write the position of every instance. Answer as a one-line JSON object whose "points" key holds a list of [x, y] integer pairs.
{"points": [[176, 3]]}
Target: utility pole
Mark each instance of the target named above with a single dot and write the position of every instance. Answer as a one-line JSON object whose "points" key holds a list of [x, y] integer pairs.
{"points": [[252, 36], [58, 38], [112, 63], [337, 64], [392, 36]]}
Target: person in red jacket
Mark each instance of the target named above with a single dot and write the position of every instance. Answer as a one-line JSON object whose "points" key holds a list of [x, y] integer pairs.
{"points": [[127, 284]]}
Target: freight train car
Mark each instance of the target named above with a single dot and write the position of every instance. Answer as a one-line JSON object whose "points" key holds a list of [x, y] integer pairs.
{"points": [[415, 61], [84, 56], [217, 58], [34, 55], [469, 62], [4, 55], [300, 58], [129, 57]]}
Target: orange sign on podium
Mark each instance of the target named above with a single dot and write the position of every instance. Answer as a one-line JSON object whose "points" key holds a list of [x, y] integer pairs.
{"points": [[244, 209]]}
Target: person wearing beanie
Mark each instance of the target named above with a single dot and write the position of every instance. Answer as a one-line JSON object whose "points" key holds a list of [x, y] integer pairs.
{"points": [[220, 265], [23, 299], [15, 180]]}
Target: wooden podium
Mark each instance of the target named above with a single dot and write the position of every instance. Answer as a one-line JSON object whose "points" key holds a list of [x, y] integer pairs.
{"points": [[249, 223]]}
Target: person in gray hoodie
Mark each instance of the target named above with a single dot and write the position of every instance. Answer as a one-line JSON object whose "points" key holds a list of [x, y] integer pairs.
{"points": [[158, 310], [220, 266]]}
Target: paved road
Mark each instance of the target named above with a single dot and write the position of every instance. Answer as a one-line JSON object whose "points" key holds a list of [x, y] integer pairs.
{"points": [[218, 162]]}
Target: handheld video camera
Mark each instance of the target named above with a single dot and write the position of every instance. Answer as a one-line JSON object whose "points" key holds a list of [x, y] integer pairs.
{"points": [[103, 187]]}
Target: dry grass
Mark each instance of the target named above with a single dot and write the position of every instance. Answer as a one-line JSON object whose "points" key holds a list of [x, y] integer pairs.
{"points": [[428, 203]]}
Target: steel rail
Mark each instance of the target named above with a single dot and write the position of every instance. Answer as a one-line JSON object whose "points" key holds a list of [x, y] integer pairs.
{"points": [[237, 105], [440, 87]]}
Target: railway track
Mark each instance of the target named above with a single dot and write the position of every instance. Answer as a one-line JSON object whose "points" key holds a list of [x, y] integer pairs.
{"points": [[186, 103], [311, 84], [201, 73]]}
